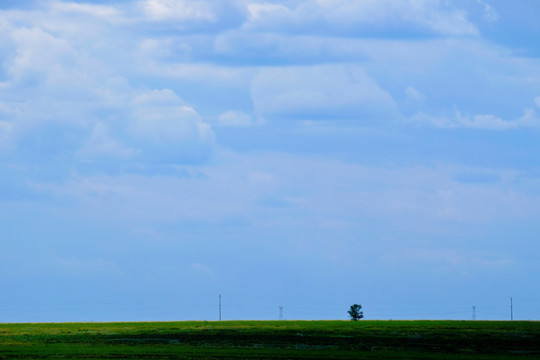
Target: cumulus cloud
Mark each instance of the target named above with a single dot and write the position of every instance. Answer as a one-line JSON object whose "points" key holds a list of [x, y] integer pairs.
{"points": [[56, 83], [490, 14], [165, 126], [104, 88], [319, 92], [383, 17], [98, 11], [160, 10], [50, 80], [101, 145], [161, 123], [273, 48], [414, 94], [491, 122], [160, 115], [39, 55], [529, 119], [429, 14], [311, 32], [235, 119], [258, 11]]}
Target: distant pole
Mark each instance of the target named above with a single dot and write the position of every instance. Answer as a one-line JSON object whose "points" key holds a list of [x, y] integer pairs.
{"points": [[280, 312], [219, 307], [474, 312], [511, 310]]}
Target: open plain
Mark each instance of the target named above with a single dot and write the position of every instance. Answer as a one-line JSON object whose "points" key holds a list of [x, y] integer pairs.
{"points": [[273, 340]]}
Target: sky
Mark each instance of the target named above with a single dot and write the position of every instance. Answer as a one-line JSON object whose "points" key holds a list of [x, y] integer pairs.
{"points": [[309, 154]]}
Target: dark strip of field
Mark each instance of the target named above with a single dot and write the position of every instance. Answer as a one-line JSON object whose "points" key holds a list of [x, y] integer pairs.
{"points": [[273, 340]]}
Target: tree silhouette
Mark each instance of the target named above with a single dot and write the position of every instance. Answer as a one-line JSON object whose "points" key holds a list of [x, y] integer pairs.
{"points": [[355, 312]]}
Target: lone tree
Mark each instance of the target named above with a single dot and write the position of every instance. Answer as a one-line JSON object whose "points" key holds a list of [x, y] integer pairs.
{"points": [[355, 312]]}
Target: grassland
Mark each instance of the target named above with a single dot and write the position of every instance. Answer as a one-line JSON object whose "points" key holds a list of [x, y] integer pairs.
{"points": [[273, 340]]}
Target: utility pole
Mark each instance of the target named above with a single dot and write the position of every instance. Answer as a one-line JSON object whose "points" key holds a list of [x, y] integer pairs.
{"points": [[474, 312], [280, 312], [219, 307], [511, 310]]}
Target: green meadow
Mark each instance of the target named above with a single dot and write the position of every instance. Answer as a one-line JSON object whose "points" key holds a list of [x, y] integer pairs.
{"points": [[273, 340]]}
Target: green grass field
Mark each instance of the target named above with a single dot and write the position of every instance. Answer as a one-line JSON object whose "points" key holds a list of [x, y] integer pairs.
{"points": [[273, 340]]}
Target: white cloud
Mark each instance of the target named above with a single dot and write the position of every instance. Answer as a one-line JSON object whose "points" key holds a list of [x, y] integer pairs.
{"points": [[258, 10], [319, 92], [38, 54], [490, 14], [53, 79], [164, 127], [414, 94], [491, 122], [204, 73], [274, 48], [179, 10], [158, 49], [99, 11], [234, 119], [297, 190], [101, 145], [169, 123], [487, 122], [163, 97], [73, 82], [161, 115], [381, 16], [529, 119]]}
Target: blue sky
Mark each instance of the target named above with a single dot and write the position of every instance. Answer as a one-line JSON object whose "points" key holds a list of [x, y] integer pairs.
{"points": [[309, 154]]}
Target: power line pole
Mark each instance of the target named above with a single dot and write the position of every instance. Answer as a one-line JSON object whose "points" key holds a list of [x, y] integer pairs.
{"points": [[511, 310], [474, 312], [219, 307]]}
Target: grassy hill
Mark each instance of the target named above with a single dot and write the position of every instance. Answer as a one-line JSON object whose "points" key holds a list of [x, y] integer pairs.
{"points": [[273, 340]]}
